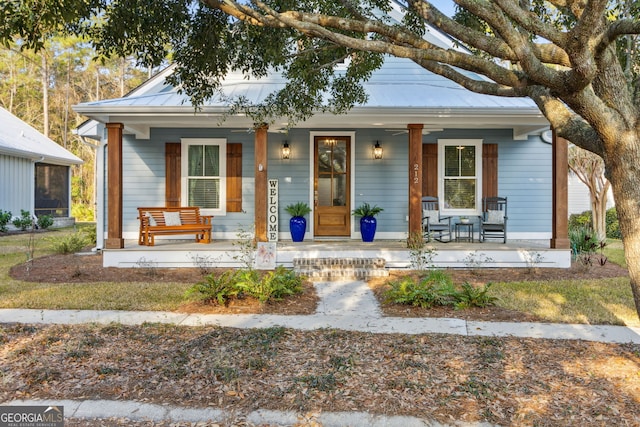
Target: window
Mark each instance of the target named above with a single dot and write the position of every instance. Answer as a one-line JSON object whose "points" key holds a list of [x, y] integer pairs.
{"points": [[204, 174], [460, 172], [52, 190]]}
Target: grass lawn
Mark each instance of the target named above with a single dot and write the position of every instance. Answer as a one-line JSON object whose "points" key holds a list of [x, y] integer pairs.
{"points": [[602, 301]]}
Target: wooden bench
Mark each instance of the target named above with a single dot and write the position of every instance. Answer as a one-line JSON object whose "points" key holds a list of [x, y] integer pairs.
{"points": [[154, 222]]}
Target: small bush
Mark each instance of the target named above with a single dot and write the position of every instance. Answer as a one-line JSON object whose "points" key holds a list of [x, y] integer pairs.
{"points": [[470, 296], [584, 220], [5, 217], [215, 288], [437, 289], [272, 286], [45, 221], [613, 227], [69, 244], [24, 221], [583, 240]]}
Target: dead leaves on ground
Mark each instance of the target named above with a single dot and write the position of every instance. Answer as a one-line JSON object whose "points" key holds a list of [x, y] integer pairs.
{"points": [[505, 381]]}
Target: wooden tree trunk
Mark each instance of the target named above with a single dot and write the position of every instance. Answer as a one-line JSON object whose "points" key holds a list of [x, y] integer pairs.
{"points": [[624, 170]]}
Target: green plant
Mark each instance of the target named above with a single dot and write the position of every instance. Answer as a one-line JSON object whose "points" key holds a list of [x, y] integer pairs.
{"points": [[272, 286], [613, 227], [421, 256], [470, 296], [45, 221], [298, 209], [365, 210], [68, 244], [246, 245], [24, 221], [5, 217], [435, 289], [215, 288]]}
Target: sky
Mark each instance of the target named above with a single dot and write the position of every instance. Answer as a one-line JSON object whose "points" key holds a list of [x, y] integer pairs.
{"points": [[446, 6]]}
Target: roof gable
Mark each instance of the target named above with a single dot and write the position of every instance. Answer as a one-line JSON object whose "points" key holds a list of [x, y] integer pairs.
{"points": [[19, 139]]}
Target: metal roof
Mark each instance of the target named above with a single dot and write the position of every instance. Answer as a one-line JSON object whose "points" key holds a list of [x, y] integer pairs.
{"points": [[19, 139]]}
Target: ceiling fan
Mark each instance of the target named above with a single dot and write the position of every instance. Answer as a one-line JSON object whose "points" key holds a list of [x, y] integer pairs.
{"points": [[425, 131], [252, 130]]}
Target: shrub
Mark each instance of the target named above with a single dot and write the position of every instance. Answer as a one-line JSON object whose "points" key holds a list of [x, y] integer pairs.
{"points": [[470, 296], [272, 286], [24, 221], [437, 289], [69, 244], [215, 288], [5, 217], [583, 240], [45, 221], [613, 228], [584, 220]]}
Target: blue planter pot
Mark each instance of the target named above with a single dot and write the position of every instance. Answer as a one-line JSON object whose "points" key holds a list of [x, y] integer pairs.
{"points": [[368, 228], [297, 226]]}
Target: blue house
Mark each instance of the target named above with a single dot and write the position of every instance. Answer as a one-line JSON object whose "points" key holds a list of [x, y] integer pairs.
{"points": [[433, 138]]}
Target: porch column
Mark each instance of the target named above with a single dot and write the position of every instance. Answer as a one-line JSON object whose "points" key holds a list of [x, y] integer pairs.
{"points": [[114, 186], [560, 219], [261, 182], [415, 179]]}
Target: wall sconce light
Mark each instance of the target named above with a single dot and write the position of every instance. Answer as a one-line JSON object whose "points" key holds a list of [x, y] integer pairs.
{"points": [[286, 151], [377, 151]]}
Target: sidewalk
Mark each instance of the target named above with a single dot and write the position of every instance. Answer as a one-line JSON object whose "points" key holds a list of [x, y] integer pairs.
{"points": [[348, 306], [343, 305]]}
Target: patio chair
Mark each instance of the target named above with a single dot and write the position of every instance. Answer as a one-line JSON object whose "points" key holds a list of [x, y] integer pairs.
{"points": [[434, 225], [493, 223]]}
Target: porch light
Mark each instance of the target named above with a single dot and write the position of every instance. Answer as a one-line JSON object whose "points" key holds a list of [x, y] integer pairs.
{"points": [[286, 151], [377, 151]]}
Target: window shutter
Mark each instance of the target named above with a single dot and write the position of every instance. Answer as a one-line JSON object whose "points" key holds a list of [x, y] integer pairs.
{"points": [[172, 173], [234, 177], [430, 170], [489, 170]]}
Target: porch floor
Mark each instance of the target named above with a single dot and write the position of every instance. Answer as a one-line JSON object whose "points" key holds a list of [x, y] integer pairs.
{"points": [[226, 253]]}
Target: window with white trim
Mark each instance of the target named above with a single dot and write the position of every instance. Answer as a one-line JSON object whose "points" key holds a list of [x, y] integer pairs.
{"points": [[460, 173], [204, 171]]}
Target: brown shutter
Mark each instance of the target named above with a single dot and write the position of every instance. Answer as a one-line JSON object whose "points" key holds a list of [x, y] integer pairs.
{"points": [[172, 152], [430, 170], [489, 170], [234, 177]]}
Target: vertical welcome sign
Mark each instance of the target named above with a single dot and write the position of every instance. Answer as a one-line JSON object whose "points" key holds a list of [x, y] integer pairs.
{"points": [[272, 210]]}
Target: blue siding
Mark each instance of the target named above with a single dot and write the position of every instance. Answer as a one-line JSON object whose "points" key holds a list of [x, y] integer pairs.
{"points": [[524, 175]]}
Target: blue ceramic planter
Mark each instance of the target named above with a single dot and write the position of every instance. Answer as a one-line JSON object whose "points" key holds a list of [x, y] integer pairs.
{"points": [[297, 226], [368, 228]]}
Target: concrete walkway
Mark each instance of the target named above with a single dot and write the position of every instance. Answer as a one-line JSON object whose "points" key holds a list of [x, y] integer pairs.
{"points": [[343, 305]]}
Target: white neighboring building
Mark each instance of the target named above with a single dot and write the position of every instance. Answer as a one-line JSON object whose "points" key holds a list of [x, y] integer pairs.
{"points": [[579, 199], [35, 172]]}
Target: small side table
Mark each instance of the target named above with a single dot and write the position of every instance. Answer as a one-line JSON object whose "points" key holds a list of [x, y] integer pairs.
{"points": [[464, 226]]}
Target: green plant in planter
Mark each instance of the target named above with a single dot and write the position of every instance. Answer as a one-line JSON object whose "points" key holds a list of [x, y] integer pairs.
{"points": [[368, 223], [365, 210], [298, 209], [297, 223]]}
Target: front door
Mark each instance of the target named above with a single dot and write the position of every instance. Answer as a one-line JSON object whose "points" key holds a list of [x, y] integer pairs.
{"points": [[331, 186]]}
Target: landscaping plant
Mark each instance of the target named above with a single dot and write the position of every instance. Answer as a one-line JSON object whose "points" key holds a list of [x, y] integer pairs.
{"points": [[24, 221], [5, 217]]}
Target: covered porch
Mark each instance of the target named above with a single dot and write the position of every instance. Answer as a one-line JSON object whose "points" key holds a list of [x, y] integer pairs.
{"points": [[226, 253]]}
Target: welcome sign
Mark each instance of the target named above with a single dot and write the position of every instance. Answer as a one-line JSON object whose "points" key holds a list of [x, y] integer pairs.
{"points": [[272, 210]]}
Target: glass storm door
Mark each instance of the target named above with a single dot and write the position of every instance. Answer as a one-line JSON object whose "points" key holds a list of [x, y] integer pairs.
{"points": [[331, 186]]}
